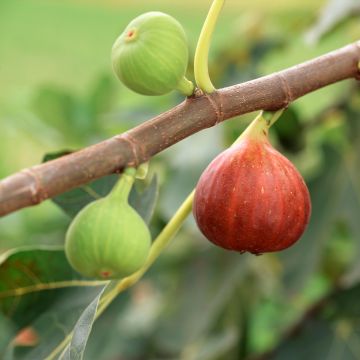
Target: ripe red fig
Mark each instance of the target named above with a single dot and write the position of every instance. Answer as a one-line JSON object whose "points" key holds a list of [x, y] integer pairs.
{"points": [[252, 198]]}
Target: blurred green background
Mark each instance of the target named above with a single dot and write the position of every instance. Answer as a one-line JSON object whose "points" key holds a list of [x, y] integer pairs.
{"points": [[57, 92]]}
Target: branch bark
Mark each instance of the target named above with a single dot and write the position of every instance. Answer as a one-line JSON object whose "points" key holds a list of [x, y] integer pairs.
{"points": [[36, 184]]}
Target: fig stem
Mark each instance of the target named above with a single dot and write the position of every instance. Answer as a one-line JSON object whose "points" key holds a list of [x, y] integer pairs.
{"points": [[122, 188], [259, 127], [272, 116], [201, 67], [185, 86]]}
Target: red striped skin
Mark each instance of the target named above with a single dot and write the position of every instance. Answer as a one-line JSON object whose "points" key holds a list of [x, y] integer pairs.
{"points": [[251, 198]]}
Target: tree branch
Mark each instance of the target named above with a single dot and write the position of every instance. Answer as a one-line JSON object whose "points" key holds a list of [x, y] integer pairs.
{"points": [[34, 185]]}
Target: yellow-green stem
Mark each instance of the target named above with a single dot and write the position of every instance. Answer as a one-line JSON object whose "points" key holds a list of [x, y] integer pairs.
{"points": [[160, 242], [260, 125], [272, 116], [201, 67], [157, 247], [123, 187]]}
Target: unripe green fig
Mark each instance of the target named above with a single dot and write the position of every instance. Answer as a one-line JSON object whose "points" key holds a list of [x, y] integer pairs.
{"points": [[108, 239], [151, 56]]}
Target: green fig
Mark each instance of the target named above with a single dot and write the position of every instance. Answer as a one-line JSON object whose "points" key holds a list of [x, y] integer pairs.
{"points": [[151, 56], [108, 239]]}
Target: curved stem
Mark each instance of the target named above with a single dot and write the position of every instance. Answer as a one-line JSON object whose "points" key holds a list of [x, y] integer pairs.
{"points": [[157, 247], [201, 67], [259, 127]]}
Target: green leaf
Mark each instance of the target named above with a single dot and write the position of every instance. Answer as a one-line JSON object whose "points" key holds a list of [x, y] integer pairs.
{"points": [[314, 341], [204, 288], [329, 332], [173, 312], [102, 96], [55, 324], [26, 277], [54, 155], [131, 325], [26, 273], [74, 118], [56, 108], [75, 350], [39, 288]]}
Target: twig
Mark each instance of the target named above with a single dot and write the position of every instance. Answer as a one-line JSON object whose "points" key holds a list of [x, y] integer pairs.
{"points": [[34, 185]]}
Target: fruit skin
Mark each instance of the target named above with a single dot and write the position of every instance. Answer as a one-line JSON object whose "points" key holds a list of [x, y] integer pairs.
{"points": [[251, 198], [108, 239], [151, 56]]}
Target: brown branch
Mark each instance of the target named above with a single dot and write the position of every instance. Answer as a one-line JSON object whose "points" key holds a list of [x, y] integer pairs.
{"points": [[34, 185]]}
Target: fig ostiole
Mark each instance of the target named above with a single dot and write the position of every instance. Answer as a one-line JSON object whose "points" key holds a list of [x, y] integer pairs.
{"points": [[108, 239], [251, 198], [151, 56]]}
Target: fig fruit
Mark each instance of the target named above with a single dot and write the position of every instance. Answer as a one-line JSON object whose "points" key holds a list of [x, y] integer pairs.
{"points": [[252, 198], [108, 239], [151, 56]]}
